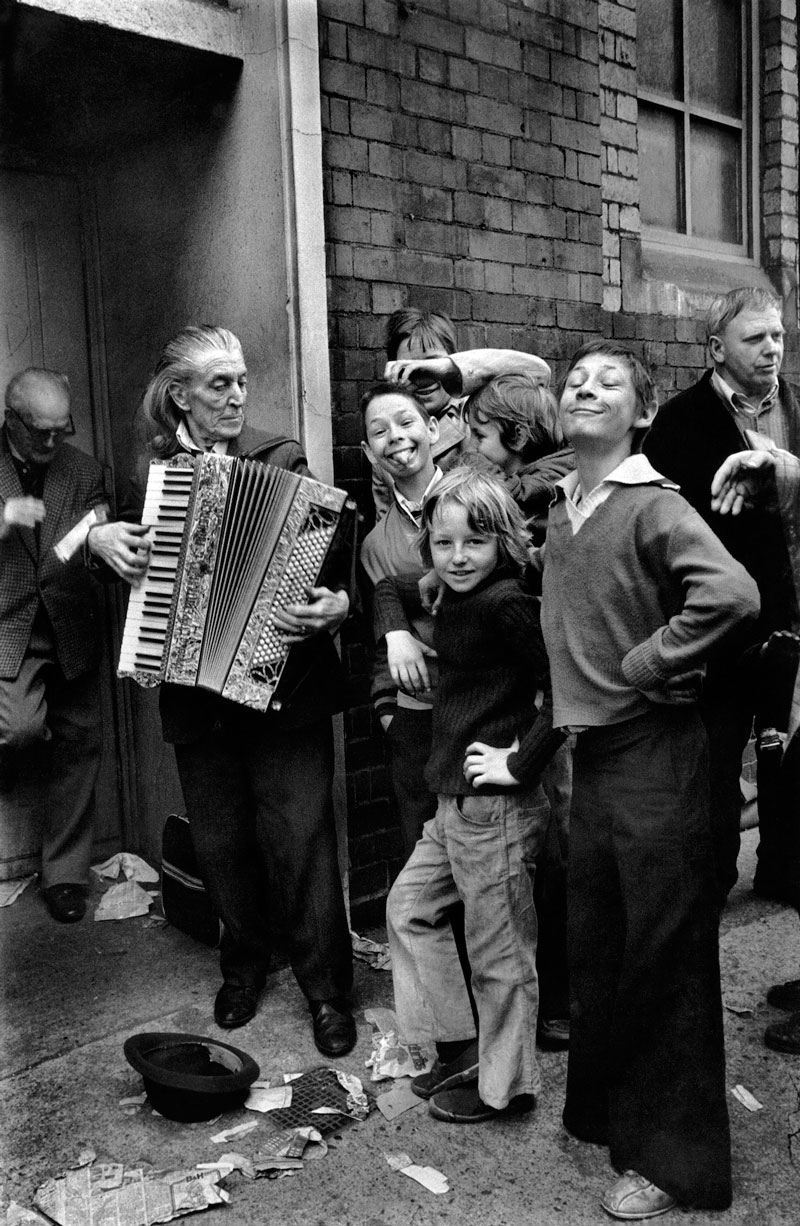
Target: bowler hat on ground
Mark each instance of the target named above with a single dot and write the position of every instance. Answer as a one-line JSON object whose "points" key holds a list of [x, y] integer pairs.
{"points": [[189, 1077]]}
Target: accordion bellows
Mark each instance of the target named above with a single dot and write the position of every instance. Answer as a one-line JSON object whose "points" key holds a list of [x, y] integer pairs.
{"points": [[232, 541]]}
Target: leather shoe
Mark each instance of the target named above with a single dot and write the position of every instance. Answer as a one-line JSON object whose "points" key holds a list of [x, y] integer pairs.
{"points": [[784, 1036], [235, 1005], [334, 1028], [634, 1198], [443, 1076], [552, 1033], [65, 902], [785, 996]]}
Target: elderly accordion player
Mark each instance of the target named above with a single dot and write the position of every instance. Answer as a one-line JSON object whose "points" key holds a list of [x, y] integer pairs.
{"points": [[232, 540]]}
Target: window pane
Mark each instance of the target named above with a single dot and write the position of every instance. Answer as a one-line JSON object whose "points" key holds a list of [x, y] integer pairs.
{"points": [[716, 183], [658, 53], [715, 40], [660, 178]]}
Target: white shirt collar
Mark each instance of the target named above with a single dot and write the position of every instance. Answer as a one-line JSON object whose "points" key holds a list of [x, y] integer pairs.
{"points": [[188, 444], [739, 403], [414, 509]]}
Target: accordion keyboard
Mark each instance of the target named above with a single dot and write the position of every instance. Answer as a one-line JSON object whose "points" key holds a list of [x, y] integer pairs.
{"points": [[144, 641]]}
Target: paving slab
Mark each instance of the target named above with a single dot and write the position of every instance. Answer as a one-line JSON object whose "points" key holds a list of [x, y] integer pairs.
{"points": [[73, 994]]}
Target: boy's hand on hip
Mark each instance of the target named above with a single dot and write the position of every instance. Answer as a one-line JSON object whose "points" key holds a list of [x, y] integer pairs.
{"points": [[484, 764]]}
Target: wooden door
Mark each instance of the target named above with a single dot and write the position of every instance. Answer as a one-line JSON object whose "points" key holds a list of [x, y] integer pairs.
{"points": [[45, 308]]}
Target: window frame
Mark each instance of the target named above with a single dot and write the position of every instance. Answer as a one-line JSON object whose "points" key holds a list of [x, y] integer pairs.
{"points": [[748, 251]]}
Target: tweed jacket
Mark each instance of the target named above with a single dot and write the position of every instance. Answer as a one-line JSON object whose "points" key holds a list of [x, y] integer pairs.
{"points": [[30, 574], [691, 436], [313, 682]]}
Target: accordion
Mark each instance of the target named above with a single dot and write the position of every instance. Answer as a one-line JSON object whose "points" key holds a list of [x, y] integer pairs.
{"points": [[231, 540]]}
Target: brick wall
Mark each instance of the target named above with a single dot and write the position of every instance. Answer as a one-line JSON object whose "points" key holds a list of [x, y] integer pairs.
{"points": [[480, 158]]}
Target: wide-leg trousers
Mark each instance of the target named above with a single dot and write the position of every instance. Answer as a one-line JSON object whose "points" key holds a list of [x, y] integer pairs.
{"points": [[646, 1069]]}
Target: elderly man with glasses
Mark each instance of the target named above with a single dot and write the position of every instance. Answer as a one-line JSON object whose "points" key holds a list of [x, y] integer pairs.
{"points": [[50, 635]]}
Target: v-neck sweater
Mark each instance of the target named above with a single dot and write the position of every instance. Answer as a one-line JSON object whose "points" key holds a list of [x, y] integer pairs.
{"points": [[642, 593]]}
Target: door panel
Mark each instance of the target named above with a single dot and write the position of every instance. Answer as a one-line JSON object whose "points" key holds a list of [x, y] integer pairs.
{"points": [[43, 322]]}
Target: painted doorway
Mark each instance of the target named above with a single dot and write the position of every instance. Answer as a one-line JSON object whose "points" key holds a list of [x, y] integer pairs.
{"points": [[46, 317]]}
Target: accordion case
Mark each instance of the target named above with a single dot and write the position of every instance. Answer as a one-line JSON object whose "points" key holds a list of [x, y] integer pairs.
{"points": [[232, 540]]}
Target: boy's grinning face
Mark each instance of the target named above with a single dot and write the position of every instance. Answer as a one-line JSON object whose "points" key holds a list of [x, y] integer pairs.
{"points": [[462, 556], [398, 437], [599, 407]]}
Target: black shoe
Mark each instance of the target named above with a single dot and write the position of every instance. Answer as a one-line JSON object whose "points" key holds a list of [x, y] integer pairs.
{"points": [[235, 1005], [464, 1105], [776, 888], [785, 996], [784, 1036], [66, 902], [552, 1033], [334, 1028]]}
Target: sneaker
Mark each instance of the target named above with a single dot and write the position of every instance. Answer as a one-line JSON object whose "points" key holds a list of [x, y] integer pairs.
{"points": [[443, 1076], [464, 1105], [634, 1198], [784, 1036]]}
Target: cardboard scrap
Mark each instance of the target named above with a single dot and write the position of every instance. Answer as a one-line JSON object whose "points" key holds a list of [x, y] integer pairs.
{"points": [[266, 1097], [398, 1100], [17, 1215], [428, 1176], [746, 1099], [100, 1192], [228, 1134], [11, 890], [123, 901]]}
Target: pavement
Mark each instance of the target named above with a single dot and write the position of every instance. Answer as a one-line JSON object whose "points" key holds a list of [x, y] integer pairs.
{"points": [[72, 994]]}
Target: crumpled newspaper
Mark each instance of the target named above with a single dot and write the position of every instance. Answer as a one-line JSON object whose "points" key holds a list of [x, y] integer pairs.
{"points": [[391, 1055], [357, 1103], [428, 1176], [96, 1193], [123, 901], [373, 952], [132, 867]]}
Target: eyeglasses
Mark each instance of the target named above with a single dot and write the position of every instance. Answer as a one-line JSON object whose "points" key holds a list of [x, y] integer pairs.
{"points": [[43, 437]]}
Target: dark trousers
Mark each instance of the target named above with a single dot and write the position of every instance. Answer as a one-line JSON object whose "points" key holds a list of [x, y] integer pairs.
{"points": [[729, 723], [646, 1070], [259, 805], [41, 705], [409, 742]]}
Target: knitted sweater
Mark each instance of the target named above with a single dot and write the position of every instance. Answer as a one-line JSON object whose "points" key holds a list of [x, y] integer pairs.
{"points": [[642, 594], [492, 662]]}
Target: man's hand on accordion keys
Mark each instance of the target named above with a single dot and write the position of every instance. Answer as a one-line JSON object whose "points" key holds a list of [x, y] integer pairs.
{"points": [[123, 547], [324, 612]]}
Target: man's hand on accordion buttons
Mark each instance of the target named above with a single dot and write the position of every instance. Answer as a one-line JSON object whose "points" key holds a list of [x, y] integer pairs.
{"points": [[325, 611], [123, 547]]}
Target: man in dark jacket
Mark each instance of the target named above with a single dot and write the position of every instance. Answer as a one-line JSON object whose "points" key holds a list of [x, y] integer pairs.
{"points": [[742, 403], [257, 786], [49, 625]]}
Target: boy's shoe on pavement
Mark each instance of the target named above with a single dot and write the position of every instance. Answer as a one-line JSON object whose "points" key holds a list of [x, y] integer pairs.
{"points": [[464, 1105], [442, 1076], [552, 1033], [785, 996], [784, 1036], [634, 1198]]}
